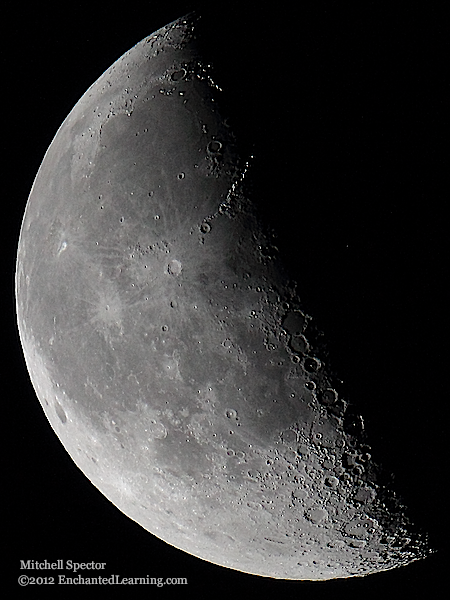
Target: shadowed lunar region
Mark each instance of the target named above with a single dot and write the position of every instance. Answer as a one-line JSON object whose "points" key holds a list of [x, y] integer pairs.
{"points": [[167, 343]]}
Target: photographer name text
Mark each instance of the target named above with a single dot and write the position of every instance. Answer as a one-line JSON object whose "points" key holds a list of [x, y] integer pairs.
{"points": [[61, 565]]}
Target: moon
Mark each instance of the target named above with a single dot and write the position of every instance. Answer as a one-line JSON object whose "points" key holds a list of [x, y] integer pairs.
{"points": [[167, 343]]}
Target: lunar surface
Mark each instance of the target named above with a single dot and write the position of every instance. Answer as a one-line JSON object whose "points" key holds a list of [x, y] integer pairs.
{"points": [[167, 344]]}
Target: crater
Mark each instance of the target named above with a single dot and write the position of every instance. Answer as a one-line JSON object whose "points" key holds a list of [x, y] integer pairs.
{"points": [[60, 413]]}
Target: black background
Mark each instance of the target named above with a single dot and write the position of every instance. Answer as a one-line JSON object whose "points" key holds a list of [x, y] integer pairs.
{"points": [[342, 107]]}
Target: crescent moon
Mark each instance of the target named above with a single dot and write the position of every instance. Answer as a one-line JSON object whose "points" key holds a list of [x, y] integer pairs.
{"points": [[167, 343]]}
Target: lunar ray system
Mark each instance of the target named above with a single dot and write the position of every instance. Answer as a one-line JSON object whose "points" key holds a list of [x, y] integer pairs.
{"points": [[167, 343]]}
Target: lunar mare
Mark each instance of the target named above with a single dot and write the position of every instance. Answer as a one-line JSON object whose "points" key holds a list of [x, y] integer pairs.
{"points": [[168, 347]]}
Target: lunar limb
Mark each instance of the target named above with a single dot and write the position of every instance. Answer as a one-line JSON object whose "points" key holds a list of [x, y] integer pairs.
{"points": [[167, 343]]}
